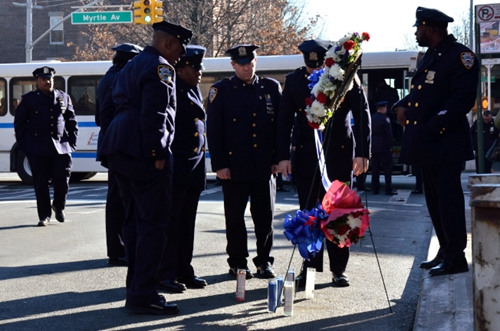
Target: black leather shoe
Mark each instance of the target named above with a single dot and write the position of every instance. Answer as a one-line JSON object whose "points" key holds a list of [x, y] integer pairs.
{"points": [[393, 192], [375, 192], [300, 280], [234, 271], [431, 263], [192, 282], [447, 268], [59, 214], [417, 192], [171, 286], [282, 189], [160, 307], [117, 261], [265, 271], [44, 222], [340, 280]]}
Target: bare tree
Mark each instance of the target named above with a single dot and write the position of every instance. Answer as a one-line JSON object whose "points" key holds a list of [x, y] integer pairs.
{"points": [[277, 26]]}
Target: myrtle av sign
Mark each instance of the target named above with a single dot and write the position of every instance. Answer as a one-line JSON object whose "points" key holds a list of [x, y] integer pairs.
{"points": [[102, 17]]}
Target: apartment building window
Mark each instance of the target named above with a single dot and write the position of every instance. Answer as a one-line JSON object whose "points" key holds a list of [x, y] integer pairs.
{"points": [[56, 34]]}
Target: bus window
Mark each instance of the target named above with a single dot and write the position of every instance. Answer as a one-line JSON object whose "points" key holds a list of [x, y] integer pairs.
{"points": [[3, 98], [82, 90], [22, 85]]}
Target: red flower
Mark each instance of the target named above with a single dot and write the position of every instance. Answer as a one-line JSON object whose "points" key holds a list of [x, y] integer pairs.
{"points": [[321, 98], [342, 229], [309, 101], [348, 45], [365, 36], [313, 125], [329, 62]]}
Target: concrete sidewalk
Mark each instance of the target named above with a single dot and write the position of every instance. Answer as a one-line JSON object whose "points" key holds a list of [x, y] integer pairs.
{"points": [[446, 302]]}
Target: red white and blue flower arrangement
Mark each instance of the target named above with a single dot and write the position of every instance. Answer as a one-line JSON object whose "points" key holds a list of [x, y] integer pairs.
{"points": [[340, 218], [327, 82]]}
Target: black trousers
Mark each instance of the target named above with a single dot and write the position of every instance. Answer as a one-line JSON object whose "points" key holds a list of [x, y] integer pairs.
{"points": [[262, 195], [115, 217], [446, 206], [54, 169], [179, 251], [311, 192], [385, 160], [146, 193]]}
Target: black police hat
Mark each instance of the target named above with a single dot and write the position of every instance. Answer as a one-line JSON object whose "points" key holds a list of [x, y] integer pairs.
{"points": [[243, 53], [183, 34], [193, 57], [381, 103], [432, 17], [128, 48], [44, 72], [314, 51]]}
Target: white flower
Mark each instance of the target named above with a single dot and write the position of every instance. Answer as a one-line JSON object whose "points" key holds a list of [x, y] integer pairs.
{"points": [[336, 72], [318, 109]]}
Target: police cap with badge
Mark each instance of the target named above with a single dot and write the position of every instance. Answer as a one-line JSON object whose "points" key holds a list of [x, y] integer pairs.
{"points": [[44, 72], [382, 103], [178, 31], [432, 18], [242, 54], [193, 57], [314, 52]]}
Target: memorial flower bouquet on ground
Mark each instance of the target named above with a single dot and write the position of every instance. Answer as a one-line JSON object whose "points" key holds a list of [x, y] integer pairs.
{"points": [[304, 231], [329, 85], [348, 219]]}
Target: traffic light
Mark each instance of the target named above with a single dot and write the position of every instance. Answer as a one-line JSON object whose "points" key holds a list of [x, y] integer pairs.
{"points": [[142, 12], [157, 11], [484, 102]]}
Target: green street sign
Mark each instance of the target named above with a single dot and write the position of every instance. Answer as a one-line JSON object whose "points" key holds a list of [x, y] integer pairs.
{"points": [[484, 79], [102, 17]]}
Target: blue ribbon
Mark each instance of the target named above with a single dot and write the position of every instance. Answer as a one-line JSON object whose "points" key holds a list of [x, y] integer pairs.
{"points": [[305, 233]]}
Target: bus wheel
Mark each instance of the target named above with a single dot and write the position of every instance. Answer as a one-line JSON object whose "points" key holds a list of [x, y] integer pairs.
{"points": [[23, 168], [78, 176]]}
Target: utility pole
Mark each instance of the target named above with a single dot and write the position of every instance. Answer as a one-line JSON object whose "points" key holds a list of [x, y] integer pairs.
{"points": [[29, 25]]}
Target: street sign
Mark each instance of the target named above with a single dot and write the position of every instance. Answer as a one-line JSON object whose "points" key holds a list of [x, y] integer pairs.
{"points": [[102, 17], [488, 13], [484, 79]]}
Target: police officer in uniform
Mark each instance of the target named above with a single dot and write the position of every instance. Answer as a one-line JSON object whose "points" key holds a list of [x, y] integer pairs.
{"points": [[189, 181], [115, 212], [381, 148], [241, 124], [490, 135], [436, 134], [137, 148], [343, 158], [46, 130]]}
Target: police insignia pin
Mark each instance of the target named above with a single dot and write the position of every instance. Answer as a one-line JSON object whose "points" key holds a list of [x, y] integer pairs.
{"points": [[165, 73], [212, 94], [468, 59]]}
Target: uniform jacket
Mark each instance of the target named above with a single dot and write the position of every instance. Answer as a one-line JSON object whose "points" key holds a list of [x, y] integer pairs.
{"points": [[442, 92], [105, 108], [144, 98], [44, 122], [241, 127], [349, 138], [188, 146], [490, 133], [381, 133]]}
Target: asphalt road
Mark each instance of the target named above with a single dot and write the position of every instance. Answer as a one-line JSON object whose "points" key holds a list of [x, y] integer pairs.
{"points": [[56, 277]]}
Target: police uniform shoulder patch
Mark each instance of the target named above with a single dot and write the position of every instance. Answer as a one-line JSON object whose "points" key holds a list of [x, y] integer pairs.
{"points": [[468, 59], [388, 120], [165, 73], [212, 94]]}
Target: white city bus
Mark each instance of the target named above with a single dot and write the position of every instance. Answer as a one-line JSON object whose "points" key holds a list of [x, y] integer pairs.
{"points": [[80, 80]]}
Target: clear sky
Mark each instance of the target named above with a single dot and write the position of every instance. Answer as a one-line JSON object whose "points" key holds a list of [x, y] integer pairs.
{"points": [[389, 22]]}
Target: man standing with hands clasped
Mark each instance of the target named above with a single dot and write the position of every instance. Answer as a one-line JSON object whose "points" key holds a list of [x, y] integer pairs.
{"points": [[241, 123], [436, 134]]}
